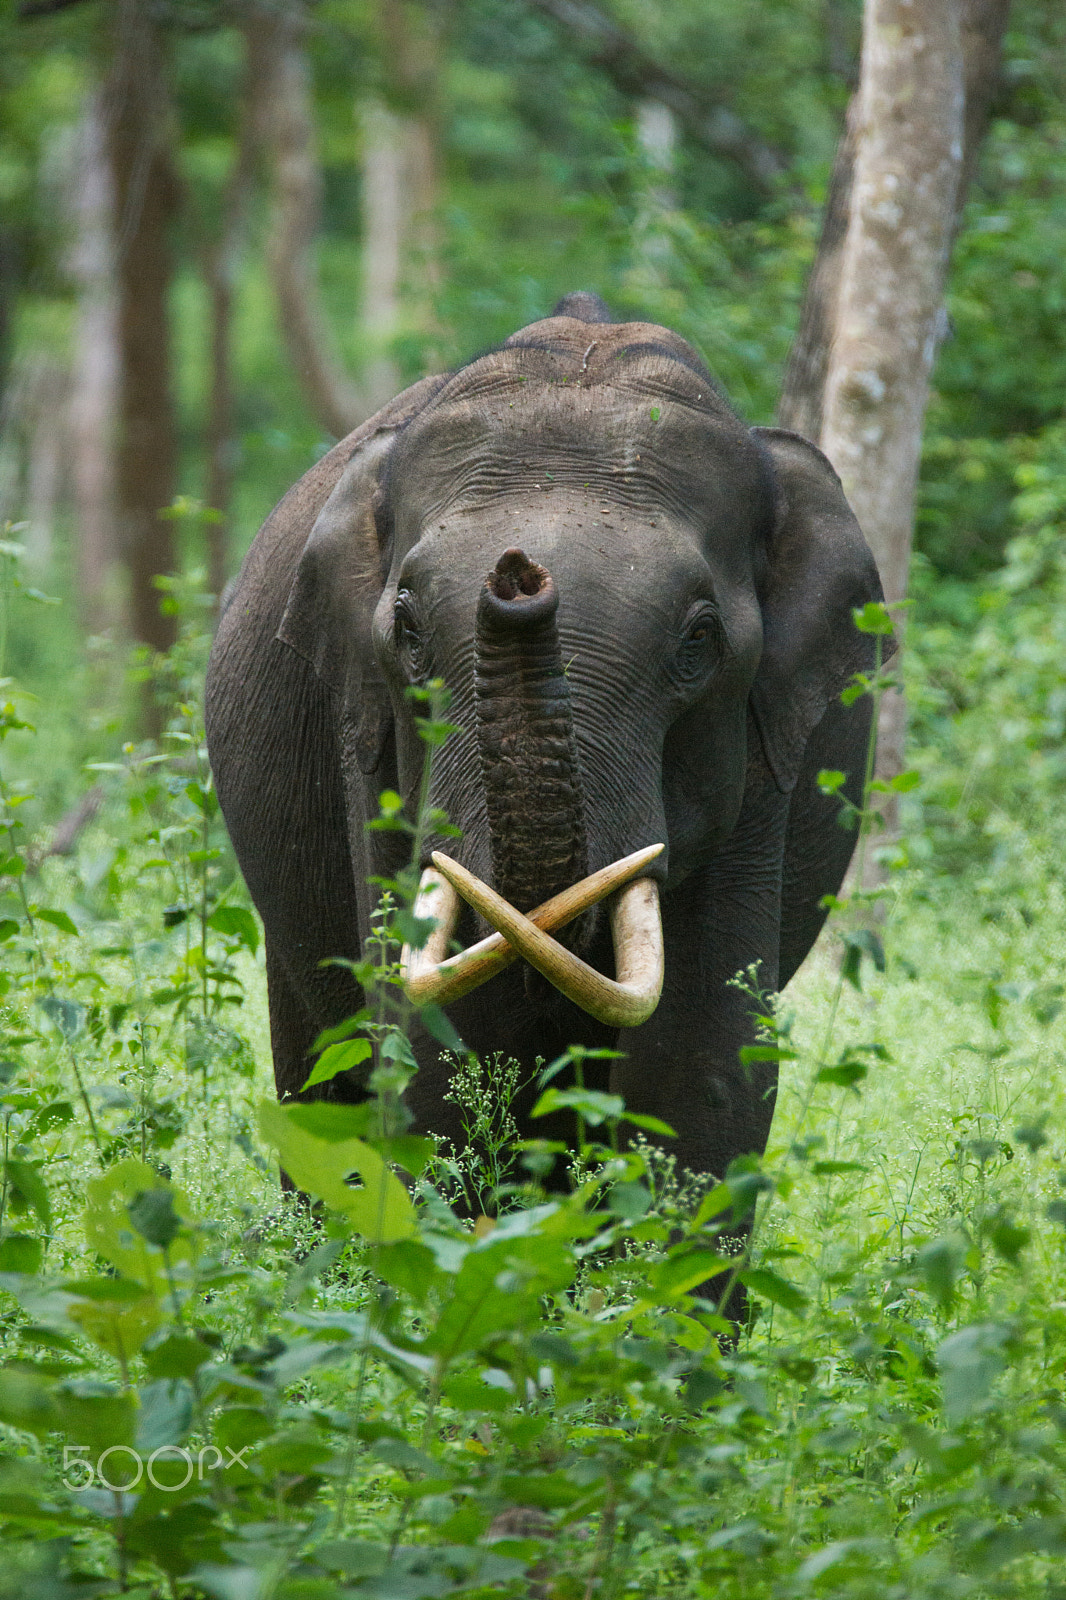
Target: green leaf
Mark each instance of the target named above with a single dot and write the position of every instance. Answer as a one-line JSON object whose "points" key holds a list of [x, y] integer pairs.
{"points": [[165, 1414], [57, 919], [24, 1177], [830, 782], [1008, 1239], [236, 922], [595, 1106], [629, 1200], [203, 797], [498, 1288], [152, 1214], [109, 1229], [335, 1123], [639, 1119], [409, 1266], [771, 1286], [969, 1362], [26, 1401], [119, 1314], [683, 1270], [56, 1114], [102, 1418], [829, 1169], [860, 942], [939, 1262], [177, 1355], [342, 1030], [872, 618], [750, 1053], [338, 1058], [380, 1211], [846, 1073], [715, 1203], [21, 1252], [440, 1027]]}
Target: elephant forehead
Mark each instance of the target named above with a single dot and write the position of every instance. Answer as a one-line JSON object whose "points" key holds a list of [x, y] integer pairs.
{"points": [[614, 565], [638, 443]]}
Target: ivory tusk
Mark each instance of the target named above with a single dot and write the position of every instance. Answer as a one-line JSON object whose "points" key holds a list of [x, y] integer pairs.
{"points": [[637, 927], [427, 977], [436, 898]]}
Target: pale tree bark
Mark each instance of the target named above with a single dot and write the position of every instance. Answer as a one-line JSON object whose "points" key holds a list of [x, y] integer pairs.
{"points": [[146, 194], [46, 461], [280, 77], [384, 206], [33, 453], [982, 27], [908, 161], [803, 389], [221, 261], [94, 389], [401, 192], [656, 130]]}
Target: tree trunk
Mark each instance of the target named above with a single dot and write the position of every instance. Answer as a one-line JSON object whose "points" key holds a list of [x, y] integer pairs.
{"points": [[94, 391], [983, 23], [279, 74], [907, 169], [220, 271], [656, 129], [803, 390], [384, 207], [401, 192], [46, 458], [145, 197]]}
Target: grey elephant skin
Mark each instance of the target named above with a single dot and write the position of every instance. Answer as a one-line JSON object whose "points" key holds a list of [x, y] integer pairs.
{"points": [[673, 674]]}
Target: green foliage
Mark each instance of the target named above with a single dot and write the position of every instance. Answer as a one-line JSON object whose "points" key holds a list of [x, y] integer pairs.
{"points": [[206, 1390], [203, 1392]]}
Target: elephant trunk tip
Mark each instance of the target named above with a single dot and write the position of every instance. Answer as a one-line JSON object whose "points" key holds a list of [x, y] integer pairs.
{"points": [[518, 591]]}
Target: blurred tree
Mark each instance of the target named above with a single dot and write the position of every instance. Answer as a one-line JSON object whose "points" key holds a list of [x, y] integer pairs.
{"points": [[279, 75], [221, 254], [94, 390], [401, 192], [982, 25], [139, 133], [893, 264]]}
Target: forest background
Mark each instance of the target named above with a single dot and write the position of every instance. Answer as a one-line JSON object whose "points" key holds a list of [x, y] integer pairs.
{"points": [[229, 231]]}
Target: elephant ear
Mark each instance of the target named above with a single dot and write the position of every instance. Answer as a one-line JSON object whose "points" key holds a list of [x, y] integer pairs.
{"points": [[341, 573], [820, 570]]}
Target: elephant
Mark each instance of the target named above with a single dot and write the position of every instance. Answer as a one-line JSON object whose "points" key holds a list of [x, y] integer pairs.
{"points": [[643, 611]]}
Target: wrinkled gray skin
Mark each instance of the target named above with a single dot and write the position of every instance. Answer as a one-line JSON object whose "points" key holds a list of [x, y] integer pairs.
{"points": [[685, 689]]}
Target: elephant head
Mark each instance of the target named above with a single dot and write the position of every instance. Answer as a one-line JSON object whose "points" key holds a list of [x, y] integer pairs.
{"points": [[632, 597]]}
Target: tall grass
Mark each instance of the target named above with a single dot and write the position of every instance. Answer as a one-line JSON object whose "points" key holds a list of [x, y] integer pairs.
{"points": [[375, 1397]]}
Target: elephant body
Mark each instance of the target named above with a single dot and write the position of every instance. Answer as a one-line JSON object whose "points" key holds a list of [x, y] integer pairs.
{"points": [[642, 609]]}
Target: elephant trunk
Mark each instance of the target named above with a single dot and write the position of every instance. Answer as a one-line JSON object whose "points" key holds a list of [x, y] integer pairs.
{"points": [[529, 762]]}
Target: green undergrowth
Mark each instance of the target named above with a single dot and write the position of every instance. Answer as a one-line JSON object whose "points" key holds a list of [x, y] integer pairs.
{"points": [[209, 1388]]}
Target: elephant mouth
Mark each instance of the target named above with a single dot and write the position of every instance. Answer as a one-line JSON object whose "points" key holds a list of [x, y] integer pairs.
{"points": [[429, 975]]}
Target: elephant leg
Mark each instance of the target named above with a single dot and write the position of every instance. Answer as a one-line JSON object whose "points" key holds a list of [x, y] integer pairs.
{"points": [[292, 1027], [818, 847], [683, 1064]]}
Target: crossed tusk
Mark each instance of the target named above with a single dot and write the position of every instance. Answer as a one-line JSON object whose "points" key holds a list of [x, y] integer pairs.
{"points": [[635, 925]]}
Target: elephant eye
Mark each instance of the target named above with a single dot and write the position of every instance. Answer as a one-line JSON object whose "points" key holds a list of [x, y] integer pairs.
{"points": [[410, 646], [699, 648]]}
